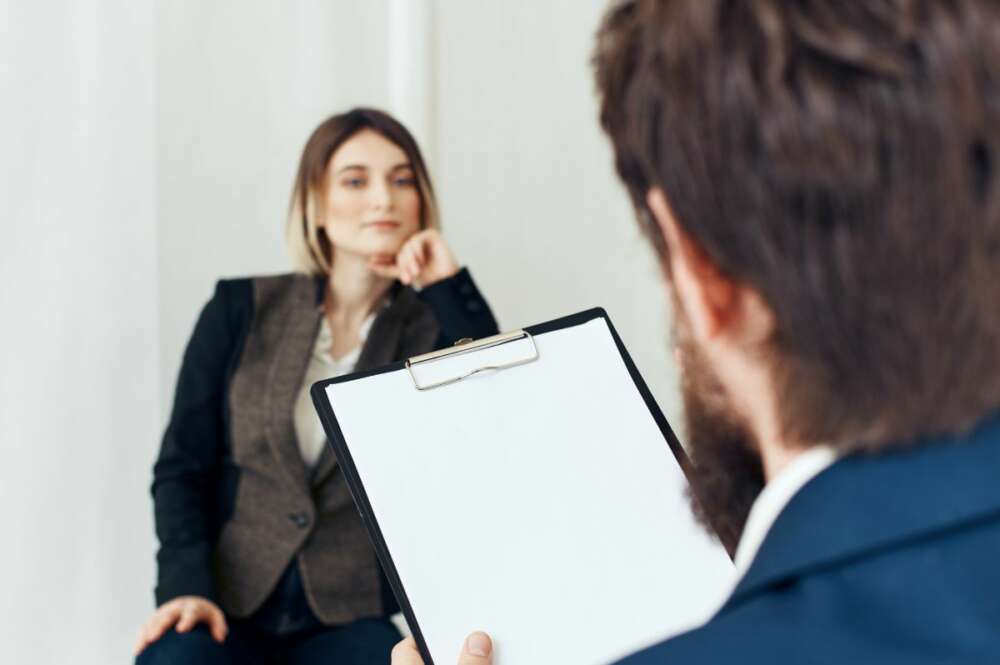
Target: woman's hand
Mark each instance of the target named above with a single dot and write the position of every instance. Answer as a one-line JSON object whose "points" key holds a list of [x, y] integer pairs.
{"points": [[422, 260], [186, 612], [477, 650]]}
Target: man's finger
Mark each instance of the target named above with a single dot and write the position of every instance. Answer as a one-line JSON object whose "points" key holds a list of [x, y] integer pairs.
{"points": [[405, 653], [477, 650]]}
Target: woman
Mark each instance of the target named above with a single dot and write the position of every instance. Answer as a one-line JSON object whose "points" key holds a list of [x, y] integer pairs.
{"points": [[262, 552]]}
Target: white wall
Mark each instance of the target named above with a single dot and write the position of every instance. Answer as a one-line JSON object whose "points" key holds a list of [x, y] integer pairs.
{"points": [[240, 86], [527, 180], [79, 337]]}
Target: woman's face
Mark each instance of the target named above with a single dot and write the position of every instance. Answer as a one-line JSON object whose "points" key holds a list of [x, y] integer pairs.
{"points": [[372, 200]]}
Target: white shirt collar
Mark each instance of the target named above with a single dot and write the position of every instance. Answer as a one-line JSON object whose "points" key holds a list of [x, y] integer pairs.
{"points": [[773, 499]]}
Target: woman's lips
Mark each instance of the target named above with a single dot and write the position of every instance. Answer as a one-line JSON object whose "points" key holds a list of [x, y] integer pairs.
{"points": [[383, 225]]}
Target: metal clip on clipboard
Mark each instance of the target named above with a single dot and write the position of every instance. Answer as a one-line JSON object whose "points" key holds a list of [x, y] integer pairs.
{"points": [[467, 345]]}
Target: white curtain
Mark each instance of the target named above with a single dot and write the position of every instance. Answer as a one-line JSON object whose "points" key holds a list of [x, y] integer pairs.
{"points": [[79, 340]]}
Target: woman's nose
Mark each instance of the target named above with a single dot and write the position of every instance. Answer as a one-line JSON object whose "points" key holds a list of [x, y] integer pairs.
{"points": [[381, 197]]}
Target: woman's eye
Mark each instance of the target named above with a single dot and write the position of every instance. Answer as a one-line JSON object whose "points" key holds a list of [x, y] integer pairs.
{"points": [[405, 182], [354, 182]]}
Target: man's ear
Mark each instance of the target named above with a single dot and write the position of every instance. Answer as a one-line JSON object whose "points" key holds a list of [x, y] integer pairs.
{"points": [[714, 303]]}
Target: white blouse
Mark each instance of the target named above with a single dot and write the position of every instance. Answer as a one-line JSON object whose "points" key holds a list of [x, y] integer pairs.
{"points": [[322, 365]]}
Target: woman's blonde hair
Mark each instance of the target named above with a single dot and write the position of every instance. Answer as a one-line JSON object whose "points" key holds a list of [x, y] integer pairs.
{"points": [[308, 244]]}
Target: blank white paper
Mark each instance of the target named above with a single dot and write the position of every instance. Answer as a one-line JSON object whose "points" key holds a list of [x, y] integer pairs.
{"points": [[539, 503]]}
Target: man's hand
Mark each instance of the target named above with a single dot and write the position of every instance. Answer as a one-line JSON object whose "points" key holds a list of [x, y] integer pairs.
{"points": [[422, 260], [186, 612], [477, 650]]}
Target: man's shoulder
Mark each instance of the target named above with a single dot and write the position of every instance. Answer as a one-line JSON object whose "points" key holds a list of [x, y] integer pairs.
{"points": [[940, 588]]}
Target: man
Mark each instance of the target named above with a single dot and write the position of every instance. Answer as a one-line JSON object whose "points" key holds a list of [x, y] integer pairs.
{"points": [[820, 181]]}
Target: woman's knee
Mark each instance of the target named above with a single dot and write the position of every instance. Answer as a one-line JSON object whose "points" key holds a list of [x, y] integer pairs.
{"points": [[196, 647]]}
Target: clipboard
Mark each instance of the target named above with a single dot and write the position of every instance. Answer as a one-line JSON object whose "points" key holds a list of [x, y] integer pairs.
{"points": [[445, 394]]}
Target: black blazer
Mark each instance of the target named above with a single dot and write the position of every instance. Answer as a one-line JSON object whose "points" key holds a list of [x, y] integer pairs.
{"points": [[234, 504]]}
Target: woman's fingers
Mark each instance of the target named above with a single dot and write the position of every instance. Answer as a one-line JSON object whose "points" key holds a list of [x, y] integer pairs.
{"points": [[217, 624], [406, 259], [141, 643], [436, 260], [185, 613], [401, 262], [189, 618], [431, 246], [412, 263], [203, 611], [162, 619], [144, 640]]}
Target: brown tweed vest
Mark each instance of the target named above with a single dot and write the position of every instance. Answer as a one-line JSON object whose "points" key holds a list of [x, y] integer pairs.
{"points": [[282, 511]]}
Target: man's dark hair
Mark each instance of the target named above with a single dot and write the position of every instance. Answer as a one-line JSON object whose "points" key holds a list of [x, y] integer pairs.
{"points": [[839, 157]]}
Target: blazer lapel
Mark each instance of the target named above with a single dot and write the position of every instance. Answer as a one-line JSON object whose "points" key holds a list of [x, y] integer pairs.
{"points": [[302, 319], [385, 339], [868, 503]]}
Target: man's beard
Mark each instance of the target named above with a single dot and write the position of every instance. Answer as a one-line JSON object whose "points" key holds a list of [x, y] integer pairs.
{"points": [[727, 474]]}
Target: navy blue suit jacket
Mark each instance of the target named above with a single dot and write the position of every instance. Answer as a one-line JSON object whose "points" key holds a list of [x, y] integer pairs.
{"points": [[888, 559]]}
